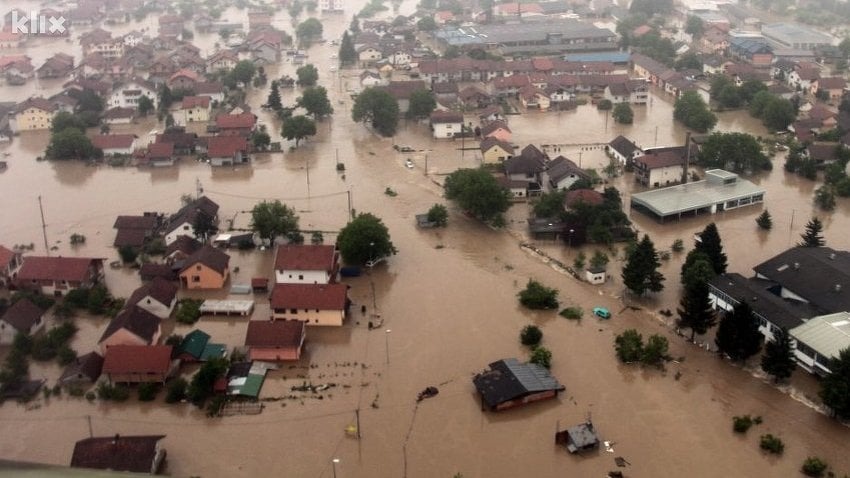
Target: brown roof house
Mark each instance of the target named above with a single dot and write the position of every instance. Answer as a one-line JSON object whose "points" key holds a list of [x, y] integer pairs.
{"points": [[446, 124], [132, 326], [313, 304], [306, 264], [10, 264], [135, 454], [275, 341], [85, 370], [562, 173], [235, 125], [183, 222], [495, 151], [497, 129], [158, 155], [833, 86], [181, 248], [509, 384], [115, 144], [134, 231], [23, 317], [207, 268], [660, 166], [57, 275], [138, 364], [159, 297], [227, 150]]}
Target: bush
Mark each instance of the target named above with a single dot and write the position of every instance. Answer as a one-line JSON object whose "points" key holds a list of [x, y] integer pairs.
{"points": [[604, 105], [572, 313], [629, 346], [531, 335], [189, 311], [128, 254], [90, 396], [742, 424], [541, 356], [813, 466], [771, 444], [539, 297], [176, 390], [678, 245], [117, 393], [655, 351], [66, 355], [148, 391], [76, 391]]}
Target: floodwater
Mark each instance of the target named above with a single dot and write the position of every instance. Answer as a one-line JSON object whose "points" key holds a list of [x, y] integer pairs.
{"points": [[448, 304]]}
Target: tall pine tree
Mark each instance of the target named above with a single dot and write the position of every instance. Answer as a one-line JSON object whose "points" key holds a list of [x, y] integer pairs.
{"points": [[813, 236], [695, 310], [778, 359], [347, 53], [738, 334], [710, 244], [641, 271], [273, 100], [835, 387]]}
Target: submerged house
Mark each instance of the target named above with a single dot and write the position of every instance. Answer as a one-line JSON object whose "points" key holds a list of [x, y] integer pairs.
{"points": [[56, 276], [275, 341], [22, 317], [510, 384], [578, 438], [134, 454]]}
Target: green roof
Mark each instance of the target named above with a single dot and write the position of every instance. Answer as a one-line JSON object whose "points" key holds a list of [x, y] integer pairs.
{"points": [[194, 343], [249, 386], [212, 351]]}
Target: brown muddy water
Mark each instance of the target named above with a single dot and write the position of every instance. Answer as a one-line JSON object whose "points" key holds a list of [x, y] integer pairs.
{"points": [[448, 301]]}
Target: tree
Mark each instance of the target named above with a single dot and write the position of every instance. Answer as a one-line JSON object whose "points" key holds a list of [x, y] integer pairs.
{"points": [[764, 221], [778, 359], [694, 26], [298, 128], [71, 143], [825, 198], [273, 219], [309, 30], [128, 254], [640, 273], [365, 239], [844, 46], [273, 101], [550, 205], [655, 351], [537, 296], [422, 104], [347, 53], [530, 335], [426, 24], [629, 346], [814, 466], [64, 120], [750, 88], [260, 139], [738, 334], [778, 114], [354, 26], [688, 61], [315, 101], [439, 215], [541, 356], [204, 226], [813, 236], [243, 72], [599, 259], [378, 108], [691, 110], [307, 75], [835, 387], [478, 192], [201, 386], [710, 244], [695, 311], [623, 113]]}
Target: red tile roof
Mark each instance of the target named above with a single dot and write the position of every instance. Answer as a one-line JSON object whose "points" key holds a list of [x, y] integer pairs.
{"points": [[56, 268], [277, 333], [160, 150], [305, 258], [113, 141], [185, 72], [661, 159], [130, 237], [226, 146], [244, 120], [309, 296], [446, 117], [587, 196], [124, 359], [6, 256], [135, 222], [832, 82], [195, 102]]}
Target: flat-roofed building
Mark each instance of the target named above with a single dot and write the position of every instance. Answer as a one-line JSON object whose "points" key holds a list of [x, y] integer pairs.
{"points": [[820, 340], [792, 35]]}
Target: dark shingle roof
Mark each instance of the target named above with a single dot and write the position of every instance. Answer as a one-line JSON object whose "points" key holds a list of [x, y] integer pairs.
{"points": [[210, 257], [87, 366], [22, 315], [780, 312], [160, 289], [509, 379], [821, 275], [624, 146], [135, 319], [305, 257], [118, 453]]}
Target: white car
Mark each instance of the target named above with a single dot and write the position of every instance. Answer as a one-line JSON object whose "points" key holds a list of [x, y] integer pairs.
{"points": [[333, 69], [333, 55], [408, 163]]}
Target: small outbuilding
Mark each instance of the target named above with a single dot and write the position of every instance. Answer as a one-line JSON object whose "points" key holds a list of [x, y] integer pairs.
{"points": [[510, 384], [578, 438]]}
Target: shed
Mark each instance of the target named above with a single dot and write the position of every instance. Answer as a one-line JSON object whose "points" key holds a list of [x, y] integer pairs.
{"points": [[595, 275], [578, 438], [510, 384]]}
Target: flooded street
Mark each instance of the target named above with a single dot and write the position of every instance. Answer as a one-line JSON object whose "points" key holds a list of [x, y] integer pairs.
{"points": [[448, 300]]}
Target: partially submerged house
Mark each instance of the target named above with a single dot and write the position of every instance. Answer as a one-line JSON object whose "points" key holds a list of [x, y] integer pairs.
{"points": [[306, 264], [22, 317], [509, 384], [10, 263], [562, 173], [83, 371], [578, 438], [207, 268], [446, 124], [623, 150], [134, 454], [159, 297], [820, 340], [183, 223], [196, 347], [133, 326], [227, 150], [275, 341], [138, 364], [56, 276], [313, 304]]}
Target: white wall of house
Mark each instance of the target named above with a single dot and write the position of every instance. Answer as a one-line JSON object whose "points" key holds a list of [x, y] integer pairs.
{"points": [[157, 308], [184, 229], [294, 276], [665, 176], [8, 333], [446, 130], [312, 316]]}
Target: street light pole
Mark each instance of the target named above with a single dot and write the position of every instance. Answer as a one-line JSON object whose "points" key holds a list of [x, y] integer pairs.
{"points": [[334, 462], [571, 241], [387, 344]]}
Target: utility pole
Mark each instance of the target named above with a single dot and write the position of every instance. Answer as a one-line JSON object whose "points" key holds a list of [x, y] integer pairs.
{"points": [[357, 415], [350, 214], [199, 188], [307, 167], [91, 433], [426, 164], [43, 227]]}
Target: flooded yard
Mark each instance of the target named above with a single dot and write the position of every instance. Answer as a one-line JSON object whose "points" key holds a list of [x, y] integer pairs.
{"points": [[448, 304]]}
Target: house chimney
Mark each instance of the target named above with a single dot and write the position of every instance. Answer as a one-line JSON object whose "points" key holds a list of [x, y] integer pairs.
{"points": [[687, 157], [115, 439], [837, 287], [832, 255], [796, 266]]}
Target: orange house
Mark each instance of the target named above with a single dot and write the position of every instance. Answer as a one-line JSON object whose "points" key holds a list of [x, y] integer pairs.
{"points": [[207, 268]]}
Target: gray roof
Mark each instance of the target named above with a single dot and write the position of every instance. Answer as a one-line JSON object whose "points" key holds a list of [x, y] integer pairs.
{"points": [[561, 167], [696, 195], [509, 379], [780, 312], [820, 275], [791, 33], [529, 31], [624, 146], [826, 334]]}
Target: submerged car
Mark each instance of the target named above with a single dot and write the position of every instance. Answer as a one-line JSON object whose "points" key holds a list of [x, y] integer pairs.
{"points": [[408, 163], [601, 312]]}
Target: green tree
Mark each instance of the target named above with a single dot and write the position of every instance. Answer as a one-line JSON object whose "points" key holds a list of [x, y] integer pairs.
{"points": [[844, 46], [201, 386], [651, 7], [347, 53], [422, 104], [451, 52], [778, 359], [550, 205], [825, 198], [426, 24], [354, 26], [315, 101], [778, 113], [530, 335], [655, 351], [309, 30], [145, 105], [128, 254], [691, 110], [694, 26], [738, 334], [297, 128], [478, 192], [835, 387], [814, 466], [273, 101], [260, 140], [204, 226], [71, 143], [764, 221], [243, 72], [640, 273], [377, 107], [64, 120], [695, 311], [750, 88], [813, 235], [307, 75], [365, 239], [710, 244], [629, 346], [599, 259], [439, 215], [537, 296], [623, 113], [273, 219], [541, 356], [688, 61]]}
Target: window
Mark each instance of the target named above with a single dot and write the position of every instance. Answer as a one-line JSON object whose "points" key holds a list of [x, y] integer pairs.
{"points": [[196, 278], [300, 276], [293, 311]]}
